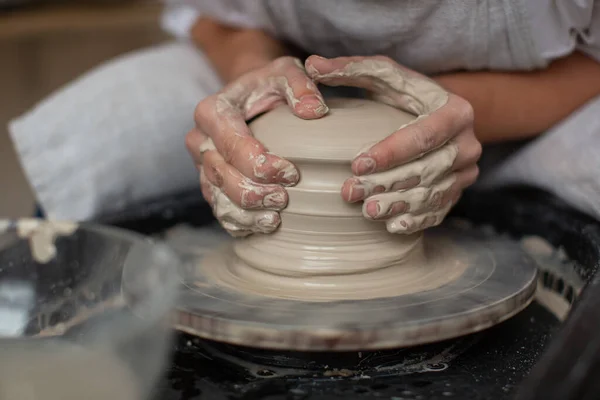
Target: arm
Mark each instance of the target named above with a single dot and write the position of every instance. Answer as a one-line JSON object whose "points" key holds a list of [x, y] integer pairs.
{"points": [[234, 51], [524, 104]]}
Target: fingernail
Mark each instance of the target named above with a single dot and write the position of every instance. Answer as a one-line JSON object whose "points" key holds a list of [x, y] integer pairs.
{"points": [[322, 110], [364, 165], [250, 200], [312, 103], [357, 192], [274, 200], [373, 209], [311, 70], [268, 221], [288, 175]]}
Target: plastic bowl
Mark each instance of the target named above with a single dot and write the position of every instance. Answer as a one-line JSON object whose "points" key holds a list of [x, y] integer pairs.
{"points": [[84, 311]]}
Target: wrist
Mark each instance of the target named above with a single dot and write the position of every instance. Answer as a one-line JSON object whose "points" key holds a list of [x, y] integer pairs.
{"points": [[483, 90], [245, 62], [234, 52]]}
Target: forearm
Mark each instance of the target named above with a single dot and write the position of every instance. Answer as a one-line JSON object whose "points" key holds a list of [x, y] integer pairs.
{"points": [[522, 105], [233, 51]]}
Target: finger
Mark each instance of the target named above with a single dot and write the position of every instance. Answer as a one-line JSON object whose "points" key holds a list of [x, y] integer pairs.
{"points": [[238, 188], [299, 90], [466, 177], [227, 129], [420, 200], [392, 83], [469, 150], [359, 188], [402, 87], [283, 81], [408, 223], [416, 139], [209, 192], [415, 201], [223, 117], [237, 221], [422, 172]]}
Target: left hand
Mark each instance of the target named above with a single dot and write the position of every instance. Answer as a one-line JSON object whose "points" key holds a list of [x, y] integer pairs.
{"points": [[412, 178]]}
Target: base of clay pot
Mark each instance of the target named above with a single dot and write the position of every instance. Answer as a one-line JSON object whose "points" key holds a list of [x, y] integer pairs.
{"points": [[497, 280], [427, 267]]}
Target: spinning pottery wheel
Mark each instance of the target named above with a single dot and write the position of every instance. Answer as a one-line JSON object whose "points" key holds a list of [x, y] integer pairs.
{"points": [[329, 279]]}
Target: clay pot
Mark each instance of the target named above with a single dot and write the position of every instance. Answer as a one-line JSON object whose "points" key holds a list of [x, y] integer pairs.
{"points": [[322, 239]]}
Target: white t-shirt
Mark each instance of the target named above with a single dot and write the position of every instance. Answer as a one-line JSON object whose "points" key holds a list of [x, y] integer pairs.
{"points": [[433, 36], [429, 35]]}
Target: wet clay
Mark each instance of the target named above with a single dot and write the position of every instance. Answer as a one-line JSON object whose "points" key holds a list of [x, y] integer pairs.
{"points": [[310, 272], [325, 249]]}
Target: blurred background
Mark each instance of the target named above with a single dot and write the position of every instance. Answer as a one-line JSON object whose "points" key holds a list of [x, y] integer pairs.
{"points": [[45, 44]]}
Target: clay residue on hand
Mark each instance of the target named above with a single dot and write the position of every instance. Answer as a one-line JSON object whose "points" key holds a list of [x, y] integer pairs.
{"points": [[421, 96], [427, 169], [42, 236], [394, 85], [206, 146], [238, 221], [423, 202]]}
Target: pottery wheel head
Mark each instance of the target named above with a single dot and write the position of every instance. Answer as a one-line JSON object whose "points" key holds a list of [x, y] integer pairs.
{"points": [[381, 290]]}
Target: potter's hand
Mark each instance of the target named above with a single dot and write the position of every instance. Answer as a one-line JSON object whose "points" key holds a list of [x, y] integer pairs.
{"points": [[412, 178], [242, 181]]}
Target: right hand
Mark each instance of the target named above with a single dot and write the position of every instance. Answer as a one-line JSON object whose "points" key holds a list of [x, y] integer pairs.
{"points": [[242, 181]]}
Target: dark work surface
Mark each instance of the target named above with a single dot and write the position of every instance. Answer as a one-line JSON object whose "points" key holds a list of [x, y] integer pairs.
{"points": [[490, 368], [494, 367], [523, 211]]}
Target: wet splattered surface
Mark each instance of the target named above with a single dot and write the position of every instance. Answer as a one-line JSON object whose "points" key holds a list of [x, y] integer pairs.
{"points": [[490, 369], [489, 365]]}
